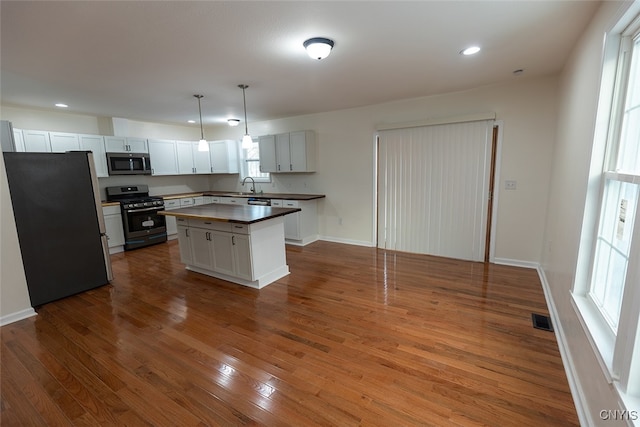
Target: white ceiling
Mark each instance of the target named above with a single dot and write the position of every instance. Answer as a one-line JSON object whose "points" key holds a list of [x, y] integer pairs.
{"points": [[144, 60]]}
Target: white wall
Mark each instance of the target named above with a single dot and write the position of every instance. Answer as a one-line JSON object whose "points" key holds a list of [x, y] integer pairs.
{"points": [[578, 99], [14, 296], [346, 159]]}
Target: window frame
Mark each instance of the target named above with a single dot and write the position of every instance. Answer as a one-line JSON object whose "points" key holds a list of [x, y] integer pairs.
{"points": [[618, 355], [244, 164]]}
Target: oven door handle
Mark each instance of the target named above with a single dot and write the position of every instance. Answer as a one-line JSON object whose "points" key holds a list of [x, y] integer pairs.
{"points": [[144, 210]]}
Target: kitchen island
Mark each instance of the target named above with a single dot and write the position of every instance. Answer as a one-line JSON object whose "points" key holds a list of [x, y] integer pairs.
{"points": [[238, 243]]}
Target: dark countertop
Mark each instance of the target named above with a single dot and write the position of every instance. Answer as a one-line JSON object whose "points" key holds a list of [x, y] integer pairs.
{"points": [[240, 214], [282, 196]]}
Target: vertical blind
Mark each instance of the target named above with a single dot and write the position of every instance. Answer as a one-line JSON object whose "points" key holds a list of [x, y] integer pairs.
{"points": [[433, 188]]}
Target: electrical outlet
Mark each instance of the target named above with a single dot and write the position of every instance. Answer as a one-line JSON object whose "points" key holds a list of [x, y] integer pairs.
{"points": [[510, 185]]}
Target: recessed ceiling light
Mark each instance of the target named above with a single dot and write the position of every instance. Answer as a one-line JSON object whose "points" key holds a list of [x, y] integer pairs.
{"points": [[61, 105], [191, 121], [233, 122], [470, 51]]}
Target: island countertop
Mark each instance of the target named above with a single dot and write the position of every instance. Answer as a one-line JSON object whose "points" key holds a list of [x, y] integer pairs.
{"points": [[239, 214]]}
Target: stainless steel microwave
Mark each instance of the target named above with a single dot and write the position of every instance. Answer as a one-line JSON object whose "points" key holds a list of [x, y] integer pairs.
{"points": [[129, 163]]}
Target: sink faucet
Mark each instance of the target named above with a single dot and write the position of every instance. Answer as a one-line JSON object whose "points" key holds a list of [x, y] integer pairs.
{"points": [[253, 187]]}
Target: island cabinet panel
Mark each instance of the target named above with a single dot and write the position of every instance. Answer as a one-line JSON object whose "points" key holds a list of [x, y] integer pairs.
{"points": [[223, 255], [184, 241], [201, 248], [251, 254], [243, 266]]}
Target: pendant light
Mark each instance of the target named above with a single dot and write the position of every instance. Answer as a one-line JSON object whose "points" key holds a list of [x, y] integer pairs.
{"points": [[246, 139], [203, 145]]}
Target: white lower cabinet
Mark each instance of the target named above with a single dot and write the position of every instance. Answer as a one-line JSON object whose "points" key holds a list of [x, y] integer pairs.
{"points": [[248, 254], [184, 241], [243, 264], [233, 200], [114, 228], [223, 252], [202, 247], [221, 247], [300, 228], [172, 227]]}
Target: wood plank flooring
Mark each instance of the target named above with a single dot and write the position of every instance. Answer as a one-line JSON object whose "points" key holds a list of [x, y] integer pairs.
{"points": [[353, 336]]}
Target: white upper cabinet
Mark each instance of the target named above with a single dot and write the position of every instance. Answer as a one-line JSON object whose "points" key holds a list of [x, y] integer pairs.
{"points": [[137, 145], [223, 156], [18, 139], [162, 154], [190, 160], [283, 157], [36, 141], [95, 144], [267, 147], [61, 142], [201, 160], [120, 144], [185, 157], [115, 144], [302, 151], [288, 152]]}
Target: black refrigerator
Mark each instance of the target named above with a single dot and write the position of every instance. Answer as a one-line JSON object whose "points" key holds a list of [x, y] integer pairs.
{"points": [[61, 230]]}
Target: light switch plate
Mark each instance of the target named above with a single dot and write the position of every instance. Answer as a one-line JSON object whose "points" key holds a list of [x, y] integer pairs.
{"points": [[510, 185]]}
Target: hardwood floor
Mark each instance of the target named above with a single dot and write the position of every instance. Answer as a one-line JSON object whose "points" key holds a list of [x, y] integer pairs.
{"points": [[353, 336]]}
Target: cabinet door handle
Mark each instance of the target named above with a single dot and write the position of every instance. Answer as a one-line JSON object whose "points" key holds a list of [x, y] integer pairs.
{"points": [[208, 236], [233, 240], [186, 232], [278, 167], [290, 167]]}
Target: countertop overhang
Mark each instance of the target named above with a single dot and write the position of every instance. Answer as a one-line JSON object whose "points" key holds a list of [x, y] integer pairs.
{"points": [[239, 214]]}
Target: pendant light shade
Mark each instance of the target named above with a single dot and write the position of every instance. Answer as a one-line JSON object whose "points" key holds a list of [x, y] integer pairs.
{"points": [[246, 139], [203, 145], [318, 47]]}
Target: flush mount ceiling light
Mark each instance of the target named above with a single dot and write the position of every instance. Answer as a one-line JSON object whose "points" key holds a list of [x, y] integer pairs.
{"points": [[61, 105], [246, 139], [470, 51], [203, 145], [318, 47], [233, 122]]}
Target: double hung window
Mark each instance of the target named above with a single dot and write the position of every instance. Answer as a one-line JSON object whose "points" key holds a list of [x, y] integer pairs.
{"points": [[621, 187], [250, 163], [607, 287]]}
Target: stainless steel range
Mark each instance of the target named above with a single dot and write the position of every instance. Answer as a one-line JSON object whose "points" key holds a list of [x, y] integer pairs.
{"points": [[143, 226]]}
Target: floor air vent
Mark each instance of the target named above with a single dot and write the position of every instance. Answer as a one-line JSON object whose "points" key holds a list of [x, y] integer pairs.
{"points": [[541, 322]]}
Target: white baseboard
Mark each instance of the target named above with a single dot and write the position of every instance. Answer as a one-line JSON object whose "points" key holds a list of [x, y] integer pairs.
{"points": [[18, 315], [346, 241], [577, 392], [516, 263]]}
